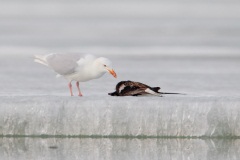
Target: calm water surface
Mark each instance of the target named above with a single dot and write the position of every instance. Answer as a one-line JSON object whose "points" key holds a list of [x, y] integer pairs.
{"points": [[127, 149]]}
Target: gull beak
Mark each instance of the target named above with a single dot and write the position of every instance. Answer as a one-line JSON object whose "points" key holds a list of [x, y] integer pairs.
{"points": [[112, 72]]}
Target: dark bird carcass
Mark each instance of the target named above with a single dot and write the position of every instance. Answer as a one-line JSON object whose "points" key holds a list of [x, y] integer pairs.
{"points": [[131, 88]]}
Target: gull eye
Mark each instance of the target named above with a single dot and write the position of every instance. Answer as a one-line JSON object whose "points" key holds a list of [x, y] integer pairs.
{"points": [[105, 65]]}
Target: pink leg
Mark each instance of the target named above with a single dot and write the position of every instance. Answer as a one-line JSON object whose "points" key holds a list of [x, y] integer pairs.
{"points": [[70, 88], [79, 92]]}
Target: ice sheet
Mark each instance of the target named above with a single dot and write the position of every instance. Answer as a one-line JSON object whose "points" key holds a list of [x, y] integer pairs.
{"points": [[195, 76], [125, 116], [34, 102]]}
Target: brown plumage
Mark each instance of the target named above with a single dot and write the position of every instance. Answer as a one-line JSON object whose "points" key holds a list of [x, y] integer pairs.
{"points": [[131, 88]]}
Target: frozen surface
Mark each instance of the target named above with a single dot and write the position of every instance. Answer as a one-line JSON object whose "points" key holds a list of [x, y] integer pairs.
{"points": [[106, 116], [196, 76], [34, 102], [119, 149]]}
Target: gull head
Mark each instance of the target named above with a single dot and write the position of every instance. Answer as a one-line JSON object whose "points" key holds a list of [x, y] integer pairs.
{"points": [[105, 65]]}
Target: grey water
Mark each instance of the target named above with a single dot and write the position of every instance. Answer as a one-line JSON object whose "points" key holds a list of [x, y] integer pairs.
{"points": [[190, 47], [128, 149], [77, 25]]}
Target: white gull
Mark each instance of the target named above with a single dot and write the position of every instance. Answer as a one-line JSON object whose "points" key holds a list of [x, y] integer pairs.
{"points": [[75, 67]]}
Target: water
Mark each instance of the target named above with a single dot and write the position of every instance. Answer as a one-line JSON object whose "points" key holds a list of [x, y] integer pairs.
{"points": [[57, 25], [129, 149], [189, 47]]}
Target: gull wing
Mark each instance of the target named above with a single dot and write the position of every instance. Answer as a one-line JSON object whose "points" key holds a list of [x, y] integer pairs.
{"points": [[65, 64]]}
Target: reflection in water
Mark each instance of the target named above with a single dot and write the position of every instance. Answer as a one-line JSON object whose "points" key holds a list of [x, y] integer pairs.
{"points": [[88, 148]]}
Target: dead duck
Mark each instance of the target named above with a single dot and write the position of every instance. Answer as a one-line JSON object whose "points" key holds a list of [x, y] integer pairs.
{"points": [[131, 88]]}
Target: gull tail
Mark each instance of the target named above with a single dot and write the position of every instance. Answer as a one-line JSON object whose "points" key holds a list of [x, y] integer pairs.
{"points": [[58, 75], [40, 59]]}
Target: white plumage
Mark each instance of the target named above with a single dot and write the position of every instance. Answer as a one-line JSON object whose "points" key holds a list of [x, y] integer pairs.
{"points": [[75, 67]]}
